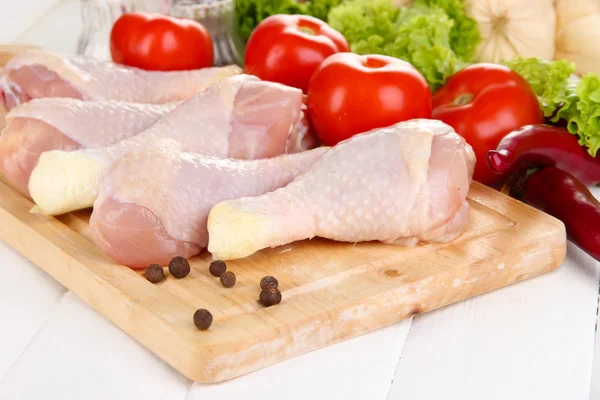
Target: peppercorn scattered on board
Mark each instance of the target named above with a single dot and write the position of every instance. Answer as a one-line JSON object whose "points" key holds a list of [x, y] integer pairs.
{"points": [[331, 291]]}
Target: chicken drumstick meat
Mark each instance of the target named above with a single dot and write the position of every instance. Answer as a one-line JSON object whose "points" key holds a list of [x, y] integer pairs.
{"points": [[40, 73], [153, 204], [399, 185]]}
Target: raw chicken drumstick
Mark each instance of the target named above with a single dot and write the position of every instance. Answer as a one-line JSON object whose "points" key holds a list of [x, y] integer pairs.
{"points": [[153, 204], [238, 117], [402, 184], [41, 73], [67, 124]]}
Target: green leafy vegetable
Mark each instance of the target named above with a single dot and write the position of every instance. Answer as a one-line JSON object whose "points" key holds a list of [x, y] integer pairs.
{"points": [[464, 35], [583, 117], [420, 35], [424, 40], [368, 25], [565, 97], [319, 8], [547, 78], [249, 13]]}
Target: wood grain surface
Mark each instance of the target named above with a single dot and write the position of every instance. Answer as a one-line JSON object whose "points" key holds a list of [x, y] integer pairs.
{"points": [[331, 291]]}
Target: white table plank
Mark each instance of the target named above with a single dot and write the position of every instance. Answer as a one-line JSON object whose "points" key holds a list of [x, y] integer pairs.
{"points": [[27, 298], [532, 340], [360, 368], [78, 354]]}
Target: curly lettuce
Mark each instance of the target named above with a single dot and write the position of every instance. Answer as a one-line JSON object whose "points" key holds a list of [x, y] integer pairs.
{"points": [[249, 13], [319, 8], [420, 35], [583, 117], [424, 40], [464, 34], [564, 97], [548, 79], [367, 25]]}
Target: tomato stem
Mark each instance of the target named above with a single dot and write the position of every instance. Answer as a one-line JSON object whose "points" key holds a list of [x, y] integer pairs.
{"points": [[375, 63], [463, 99], [307, 30]]}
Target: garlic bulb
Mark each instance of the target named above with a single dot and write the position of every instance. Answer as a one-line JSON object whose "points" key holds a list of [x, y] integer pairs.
{"points": [[578, 33], [514, 27]]}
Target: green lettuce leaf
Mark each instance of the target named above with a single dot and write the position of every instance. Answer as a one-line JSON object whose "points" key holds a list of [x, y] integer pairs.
{"points": [[420, 35], [564, 97], [249, 13], [423, 39], [368, 25], [548, 80], [583, 116], [319, 8], [464, 35]]}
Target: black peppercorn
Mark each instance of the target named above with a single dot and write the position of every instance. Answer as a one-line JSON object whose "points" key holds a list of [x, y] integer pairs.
{"points": [[154, 273], [217, 268], [227, 279], [268, 281], [270, 296], [179, 267], [203, 319]]}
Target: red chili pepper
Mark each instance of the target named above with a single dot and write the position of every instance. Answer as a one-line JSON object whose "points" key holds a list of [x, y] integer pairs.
{"points": [[544, 145], [561, 195]]}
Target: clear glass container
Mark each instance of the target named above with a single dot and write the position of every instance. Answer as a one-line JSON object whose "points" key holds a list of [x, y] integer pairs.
{"points": [[98, 17], [218, 17]]}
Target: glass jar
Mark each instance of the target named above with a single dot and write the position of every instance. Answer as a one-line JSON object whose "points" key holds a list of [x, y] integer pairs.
{"points": [[98, 17], [218, 17]]}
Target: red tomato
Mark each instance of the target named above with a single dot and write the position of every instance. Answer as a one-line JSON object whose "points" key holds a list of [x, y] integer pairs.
{"points": [[288, 48], [483, 103], [159, 42], [350, 94]]}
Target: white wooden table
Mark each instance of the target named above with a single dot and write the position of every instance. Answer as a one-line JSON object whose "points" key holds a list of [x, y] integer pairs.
{"points": [[532, 340]]}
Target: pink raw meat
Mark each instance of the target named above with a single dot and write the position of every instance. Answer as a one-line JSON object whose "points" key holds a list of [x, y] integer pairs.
{"points": [[153, 204], [238, 117], [402, 184], [67, 124], [41, 73]]}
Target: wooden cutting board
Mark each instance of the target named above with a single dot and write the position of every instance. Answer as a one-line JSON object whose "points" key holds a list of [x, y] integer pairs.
{"points": [[331, 291]]}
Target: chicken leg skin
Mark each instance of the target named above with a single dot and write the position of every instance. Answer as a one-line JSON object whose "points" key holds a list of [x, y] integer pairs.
{"points": [[239, 117], [399, 185], [153, 204]]}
